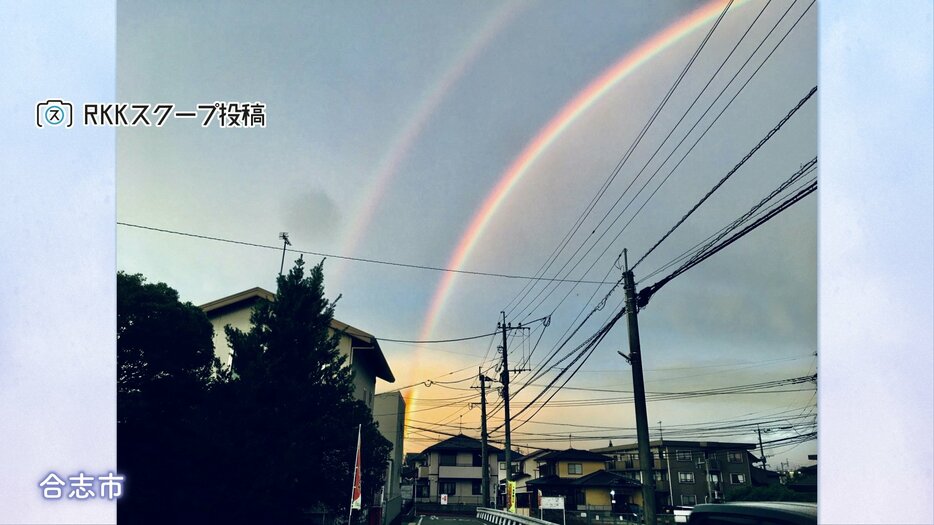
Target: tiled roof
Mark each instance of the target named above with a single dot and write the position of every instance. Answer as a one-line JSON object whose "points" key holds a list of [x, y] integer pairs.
{"points": [[573, 454], [600, 478], [460, 443]]}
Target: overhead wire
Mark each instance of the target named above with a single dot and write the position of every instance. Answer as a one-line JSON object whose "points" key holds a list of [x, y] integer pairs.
{"points": [[341, 257], [629, 152], [672, 152]]}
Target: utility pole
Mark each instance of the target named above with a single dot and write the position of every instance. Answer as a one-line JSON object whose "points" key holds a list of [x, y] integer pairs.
{"points": [[285, 242], [707, 469], [638, 387], [483, 437], [761, 450], [661, 450], [504, 377]]}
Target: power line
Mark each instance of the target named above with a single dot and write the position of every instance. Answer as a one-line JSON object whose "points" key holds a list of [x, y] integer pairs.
{"points": [[590, 207], [435, 341], [670, 154], [646, 293], [752, 152], [695, 248], [357, 259]]}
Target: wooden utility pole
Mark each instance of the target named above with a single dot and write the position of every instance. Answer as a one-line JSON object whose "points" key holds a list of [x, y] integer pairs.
{"points": [[638, 387]]}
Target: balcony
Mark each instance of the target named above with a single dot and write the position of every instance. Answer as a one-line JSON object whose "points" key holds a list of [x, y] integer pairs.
{"points": [[633, 464], [460, 472]]}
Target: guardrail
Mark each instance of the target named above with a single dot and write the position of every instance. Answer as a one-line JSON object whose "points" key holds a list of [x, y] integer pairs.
{"points": [[500, 517]]}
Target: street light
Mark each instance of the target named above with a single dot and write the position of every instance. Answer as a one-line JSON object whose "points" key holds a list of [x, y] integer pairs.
{"points": [[612, 497]]}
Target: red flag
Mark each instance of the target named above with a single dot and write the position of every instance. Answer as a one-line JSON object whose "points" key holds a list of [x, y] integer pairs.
{"points": [[356, 498]]}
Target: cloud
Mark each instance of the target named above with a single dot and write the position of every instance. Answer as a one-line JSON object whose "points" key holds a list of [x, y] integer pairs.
{"points": [[312, 215]]}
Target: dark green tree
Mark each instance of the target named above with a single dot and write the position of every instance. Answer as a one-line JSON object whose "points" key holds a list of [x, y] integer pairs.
{"points": [[775, 492], [165, 355], [293, 418]]}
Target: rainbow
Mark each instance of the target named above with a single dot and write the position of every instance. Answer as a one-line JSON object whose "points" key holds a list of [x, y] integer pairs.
{"points": [[583, 101], [402, 144]]}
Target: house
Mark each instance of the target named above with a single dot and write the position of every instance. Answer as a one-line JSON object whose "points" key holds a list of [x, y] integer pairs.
{"points": [[364, 357], [686, 472], [362, 350], [581, 477], [518, 468], [453, 468], [389, 414]]}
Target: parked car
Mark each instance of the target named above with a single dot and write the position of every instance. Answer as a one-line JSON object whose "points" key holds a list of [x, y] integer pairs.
{"points": [[754, 513], [681, 513]]}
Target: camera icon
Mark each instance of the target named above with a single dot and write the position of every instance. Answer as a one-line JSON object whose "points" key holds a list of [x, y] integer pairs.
{"points": [[53, 113]]}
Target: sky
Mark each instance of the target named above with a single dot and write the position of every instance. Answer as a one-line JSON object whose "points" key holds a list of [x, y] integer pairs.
{"points": [[472, 136], [62, 193]]}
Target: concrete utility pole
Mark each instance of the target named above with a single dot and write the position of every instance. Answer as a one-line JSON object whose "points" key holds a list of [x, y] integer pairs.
{"points": [[483, 438], [661, 450], [707, 469], [504, 377], [761, 450], [638, 387]]}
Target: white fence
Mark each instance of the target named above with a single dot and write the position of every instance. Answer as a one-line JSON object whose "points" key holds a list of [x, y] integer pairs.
{"points": [[500, 517]]}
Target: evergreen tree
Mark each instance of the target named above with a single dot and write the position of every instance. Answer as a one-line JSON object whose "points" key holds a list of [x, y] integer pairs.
{"points": [[293, 415]]}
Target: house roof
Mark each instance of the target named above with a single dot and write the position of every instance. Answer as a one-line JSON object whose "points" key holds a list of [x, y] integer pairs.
{"points": [[460, 443], [247, 298], [537, 454], [515, 456], [573, 454], [605, 478], [674, 444], [600, 478]]}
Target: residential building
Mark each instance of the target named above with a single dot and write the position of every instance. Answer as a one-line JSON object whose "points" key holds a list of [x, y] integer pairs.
{"points": [[581, 477], [389, 414], [518, 466], [362, 350], [686, 472], [453, 468]]}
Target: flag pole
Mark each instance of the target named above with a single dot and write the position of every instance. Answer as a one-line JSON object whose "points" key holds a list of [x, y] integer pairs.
{"points": [[355, 492]]}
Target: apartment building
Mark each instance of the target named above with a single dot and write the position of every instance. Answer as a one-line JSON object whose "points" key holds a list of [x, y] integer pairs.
{"points": [[686, 472]]}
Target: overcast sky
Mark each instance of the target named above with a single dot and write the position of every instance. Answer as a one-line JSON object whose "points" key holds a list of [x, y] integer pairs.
{"points": [[389, 125]]}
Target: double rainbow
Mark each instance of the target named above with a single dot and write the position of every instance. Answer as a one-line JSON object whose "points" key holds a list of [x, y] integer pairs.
{"points": [[520, 166]]}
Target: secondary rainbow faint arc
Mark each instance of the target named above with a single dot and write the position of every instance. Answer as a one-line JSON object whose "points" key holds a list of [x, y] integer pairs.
{"points": [[548, 134], [404, 141]]}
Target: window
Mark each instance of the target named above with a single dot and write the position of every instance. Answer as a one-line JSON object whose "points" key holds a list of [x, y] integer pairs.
{"points": [[424, 491], [575, 468], [688, 499], [447, 460], [477, 459], [447, 487], [502, 465], [661, 475], [735, 457], [685, 477], [738, 479], [476, 487], [683, 455]]}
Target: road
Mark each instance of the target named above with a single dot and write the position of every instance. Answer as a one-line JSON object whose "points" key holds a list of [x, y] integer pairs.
{"points": [[449, 520]]}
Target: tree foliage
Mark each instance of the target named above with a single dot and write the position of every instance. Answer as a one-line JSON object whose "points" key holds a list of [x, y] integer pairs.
{"points": [[165, 355], [774, 492], [266, 441]]}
